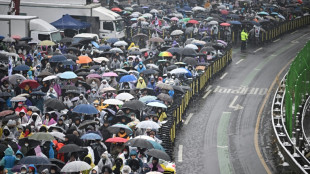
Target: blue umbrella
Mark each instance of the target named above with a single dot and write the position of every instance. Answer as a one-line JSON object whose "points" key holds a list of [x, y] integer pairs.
{"points": [[58, 58], [68, 62], [112, 40], [156, 145], [104, 47], [263, 13], [115, 128], [274, 13], [91, 136], [21, 68], [235, 22], [85, 109], [68, 75], [128, 78], [2, 37], [187, 8], [133, 19], [95, 44], [147, 98]]}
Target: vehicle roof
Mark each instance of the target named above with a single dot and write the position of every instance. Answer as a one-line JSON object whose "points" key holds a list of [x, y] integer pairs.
{"points": [[86, 35], [105, 14], [17, 17]]}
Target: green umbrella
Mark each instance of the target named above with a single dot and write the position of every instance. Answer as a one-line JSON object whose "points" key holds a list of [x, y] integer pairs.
{"points": [[185, 19], [157, 104]]}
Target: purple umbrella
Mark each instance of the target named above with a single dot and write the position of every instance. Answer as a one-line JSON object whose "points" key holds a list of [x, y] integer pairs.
{"points": [[109, 74], [94, 76], [222, 42]]}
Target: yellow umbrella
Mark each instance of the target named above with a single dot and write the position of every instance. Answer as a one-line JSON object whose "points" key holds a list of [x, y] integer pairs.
{"points": [[46, 43]]}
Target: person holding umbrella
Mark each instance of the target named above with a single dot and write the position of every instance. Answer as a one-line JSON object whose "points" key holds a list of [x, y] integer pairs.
{"points": [[134, 162]]}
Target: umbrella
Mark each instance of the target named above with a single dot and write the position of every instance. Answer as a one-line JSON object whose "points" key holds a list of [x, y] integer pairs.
{"points": [[38, 93], [156, 145], [8, 39], [140, 36], [69, 87], [193, 21], [10, 117], [134, 53], [156, 39], [92, 76], [189, 52], [58, 135], [149, 71], [32, 143], [54, 103], [2, 100], [191, 46], [154, 11], [58, 58], [120, 43], [235, 22], [190, 61], [148, 124], [70, 148], [197, 8], [115, 9], [84, 60], [263, 13], [224, 12], [164, 86], [109, 74], [147, 98], [116, 140], [18, 99], [31, 83], [158, 154], [57, 162], [176, 32], [34, 108], [152, 66], [128, 9], [85, 109], [206, 49], [66, 40], [21, 68], [121, 71], [86, 123], [46, 43], [112, 40], [165, 54], [6, 112], [44, 74], [134, 105], [76, 166], [113, 102], [36, 160], [91, 136], [107, 89], [104, 47], [128, 78], [116, 50], [68, 75], [213, 23], [101, 59], [157, 104], [139, 142], [124, 96], [225, 24], [164, 97], [51, 77], [42, 136], [115, 129], [73, 49]]}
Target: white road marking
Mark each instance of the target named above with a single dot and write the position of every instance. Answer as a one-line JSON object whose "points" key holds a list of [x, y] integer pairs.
{"points": [[258, 49], [206, 95], [239, 61], [180, 159], [209, 87], [223, 76], [294, 32], [188, 118], [223, 147], [276, 40], [237, 107]]}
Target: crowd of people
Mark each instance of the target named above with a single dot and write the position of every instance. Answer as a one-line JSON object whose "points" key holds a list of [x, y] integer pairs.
{"points": [[99, 107]]}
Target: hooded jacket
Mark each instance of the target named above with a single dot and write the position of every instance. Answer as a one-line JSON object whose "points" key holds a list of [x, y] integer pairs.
{"points": [[37, 121], [104, 161], [35, 169], [134, 163], [8, 161], [141, 85], [9, 136]]}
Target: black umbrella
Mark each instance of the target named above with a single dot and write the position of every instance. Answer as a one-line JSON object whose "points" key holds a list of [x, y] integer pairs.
{"points": [[73, 49], [74, 92], [139, 142], [23, 45], [57, 162], [95, 67], [70, 148], [134, 105], [164, 97], [190, 61], [86, 40], [171, 67], [178, 89], [81, 70], [119, 119], [32, 143], [175, 50], [44, 74], [69, 87], [134, 53], [85, 123], [2, 100], [5, 94], [10, 117], [206, 49], [27, 39], [149, 71], [59, 129], [54, 103], [189, 52], [70, 56], [83, 73], [36, 160], [140, 36], [158, 154], [38, 93]]}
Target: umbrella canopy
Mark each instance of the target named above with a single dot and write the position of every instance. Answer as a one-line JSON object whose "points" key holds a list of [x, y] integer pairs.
{"points": [[164, 86], [115, 129], [164, 97], [165, 54], [68, 75], [148, 124], [44, 74], [6, 112], [86, 123], [158, 154], [38, 93], [156, 145], [120, 43], [84, 60], [58, 135], [156, 39], [18, 99], [225, 24], [139, 142], [54, 103], [147, 98], [91, 136], [191, 46], [116, 140], [76, 166], [85, 109], [113, 102], [145, 137], [128, 78], [116, 50], [124, 96], [70, 148], [21, 68], [31, 83], [193, 21], [108, 89], [189, 52], [58, 58], [31, 143], [109, 74], [176, 32], [157, 104], [149, 71], [101, 59], [36, 160], [134, 105], [46, 43], [42, 136], [190, 61], [94, 76], [51, 77]]}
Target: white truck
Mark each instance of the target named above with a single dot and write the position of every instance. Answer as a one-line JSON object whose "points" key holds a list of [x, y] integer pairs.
{"points": [[104, 22], [28, 26]]}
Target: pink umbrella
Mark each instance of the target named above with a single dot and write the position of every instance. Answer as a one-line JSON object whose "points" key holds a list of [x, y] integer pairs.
{"points": [[109, 74], [5, 78], [94, 76], [174, 19], [222, 42]]}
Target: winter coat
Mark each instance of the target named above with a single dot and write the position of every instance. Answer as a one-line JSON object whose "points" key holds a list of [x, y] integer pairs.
{"points": [[50, 122], [134, 163], [104, 161], [8, 161]]}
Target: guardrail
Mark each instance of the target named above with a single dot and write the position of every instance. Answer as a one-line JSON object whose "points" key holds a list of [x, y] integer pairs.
{"points": [[306, 142]]}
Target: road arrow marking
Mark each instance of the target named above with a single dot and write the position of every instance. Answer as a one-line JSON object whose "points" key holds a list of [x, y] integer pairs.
{"points": [[237, 107]]}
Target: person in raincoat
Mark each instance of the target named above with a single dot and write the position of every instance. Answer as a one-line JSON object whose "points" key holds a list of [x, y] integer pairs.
{"points": [[134, 162], [23, 119], [35, 120], [93, 96], [141, 83], [32, 169], [48, 120], [20, 108], [23, 169], [161, 114], [152, 84], [140, 67], [82, 100], [118, 166], [88, 160], [51, 93], [155, 166], [104, 161], [7, 134], [104, 84], [8, 161], [95, 170]]}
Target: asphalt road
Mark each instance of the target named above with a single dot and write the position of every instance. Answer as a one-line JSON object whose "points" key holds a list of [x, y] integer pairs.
{"points": [[218, 134]]}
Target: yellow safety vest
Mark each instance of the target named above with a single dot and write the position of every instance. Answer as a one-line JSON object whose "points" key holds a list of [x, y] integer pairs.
{"points": [[244, 36]]}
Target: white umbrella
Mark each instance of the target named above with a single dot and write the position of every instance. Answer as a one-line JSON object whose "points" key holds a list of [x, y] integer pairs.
{"points": [[198, 9], [120, 43], [191, 46], [113, 102], [100, 59], [149, 15], [51, 77], [58, 135], [151, 66], [76, 166], [179, 71], [213, 23], [18, 99], [157, 104], [148, 124], [154, 11], [176, 32], [200, 42], [23, 95], [124, 96], [116, 50], [145, 137]]}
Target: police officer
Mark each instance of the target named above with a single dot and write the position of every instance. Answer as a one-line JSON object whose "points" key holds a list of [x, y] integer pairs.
{"points": [[244, 38]]}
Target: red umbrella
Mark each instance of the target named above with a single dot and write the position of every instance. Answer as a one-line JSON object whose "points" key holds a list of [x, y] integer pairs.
{"points": [[193, 22], [224, 12], [116, 140], [16, 37], [32, 84], [225, 24], [116, 9]]}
